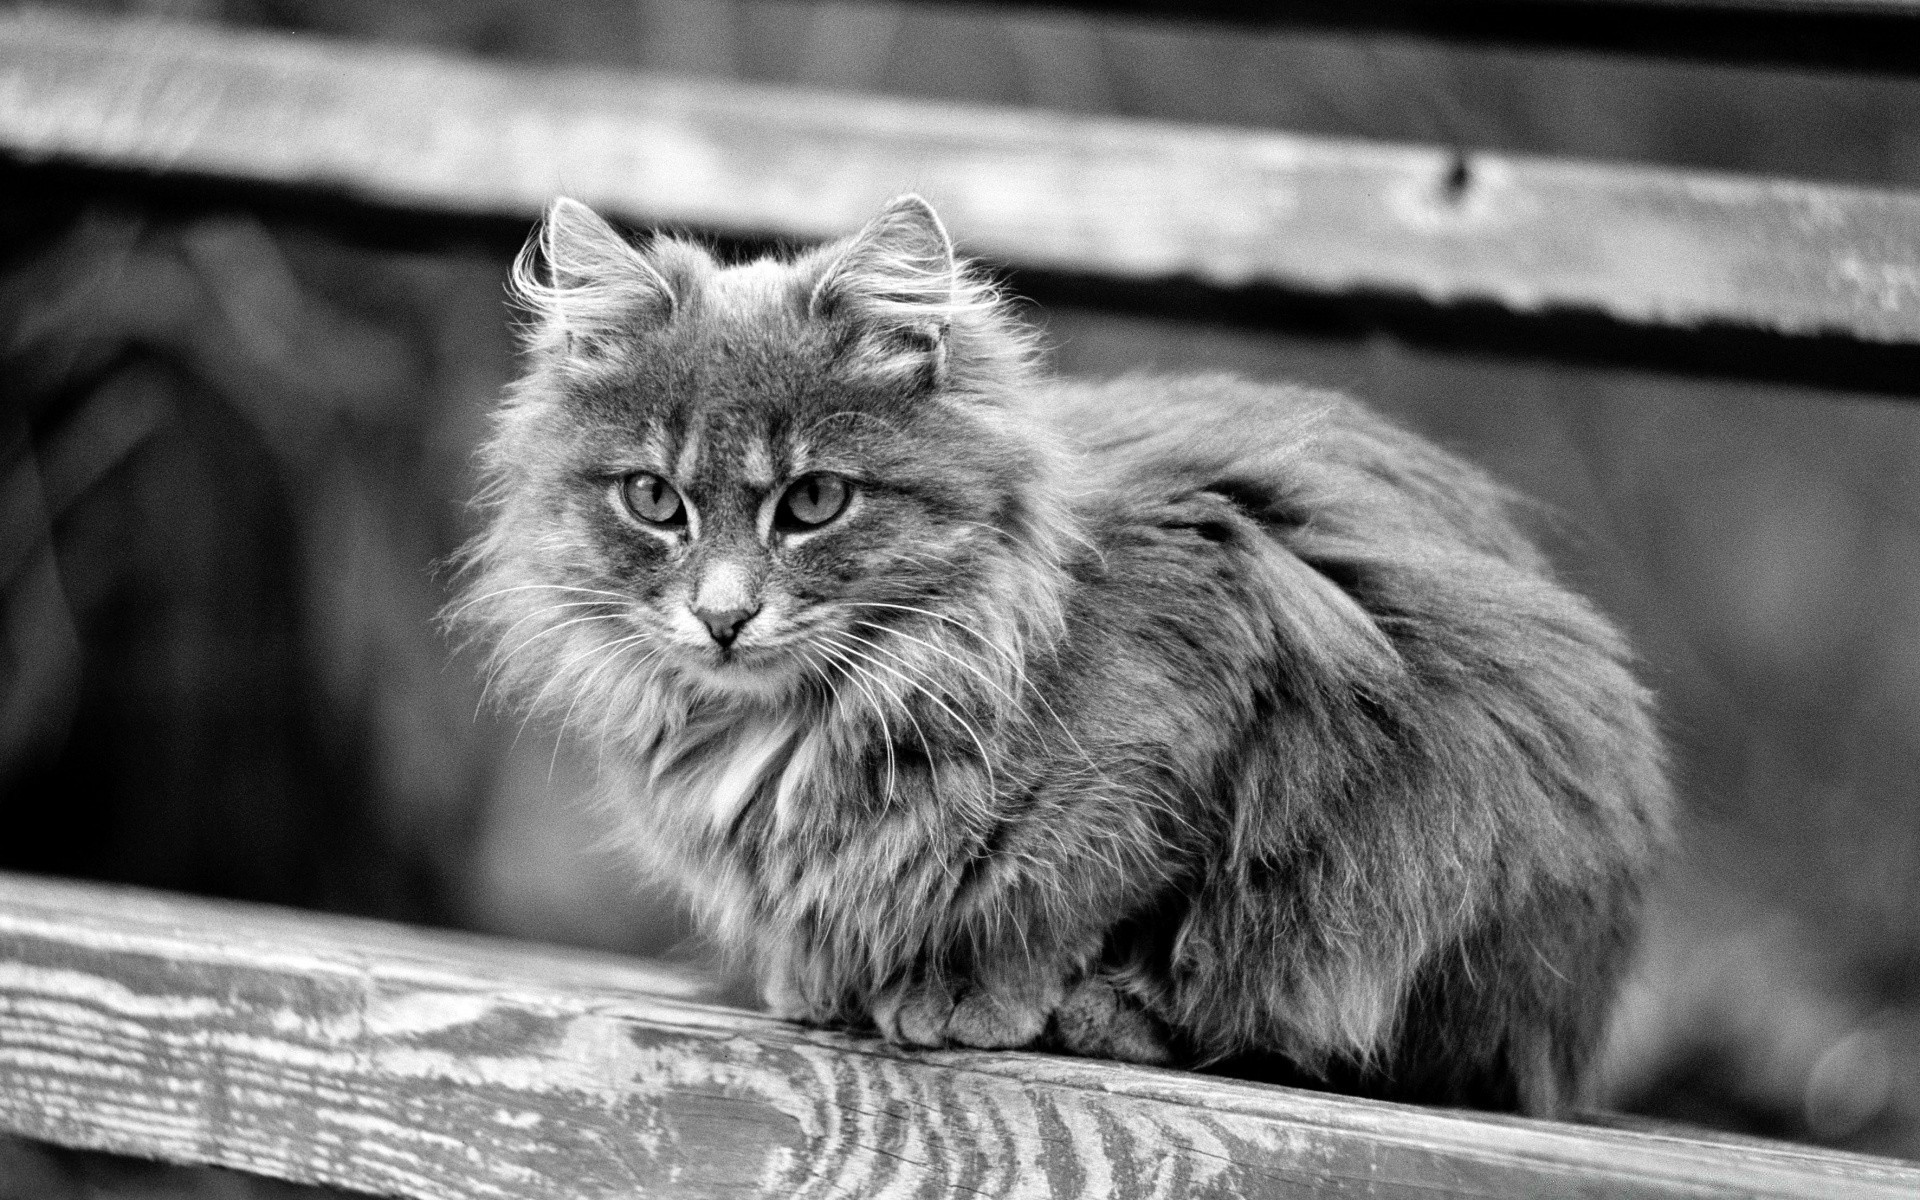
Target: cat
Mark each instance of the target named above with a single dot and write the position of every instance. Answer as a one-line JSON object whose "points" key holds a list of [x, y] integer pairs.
{"points": [[1184, 721]]}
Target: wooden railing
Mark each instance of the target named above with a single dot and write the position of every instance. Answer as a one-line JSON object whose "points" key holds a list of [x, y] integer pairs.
{"points": [[405, 1062], [1733, 274]]}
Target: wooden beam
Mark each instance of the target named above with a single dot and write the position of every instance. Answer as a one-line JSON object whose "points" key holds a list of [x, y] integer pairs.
{"points": [[1855, 35], [1118, 199], [433, 1065]]}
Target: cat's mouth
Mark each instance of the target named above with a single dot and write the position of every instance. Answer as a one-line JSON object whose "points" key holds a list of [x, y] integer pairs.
{"points": [[757, 669]]}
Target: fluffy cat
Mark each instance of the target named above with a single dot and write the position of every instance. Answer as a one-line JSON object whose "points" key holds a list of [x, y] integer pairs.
{"points": [[1186, 721]]}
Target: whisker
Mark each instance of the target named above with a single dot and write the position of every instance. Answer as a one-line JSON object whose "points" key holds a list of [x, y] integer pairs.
{"points": [[524, 587], [604, 736], [886, 731], [938, 616], [1037, 694], [963, 664], [507, 655], [1009, 657], [610, 655], [986, 760], [809, 663], [501, 658], [551, 608], [1013, 660], [919, 730], [561, 673]]}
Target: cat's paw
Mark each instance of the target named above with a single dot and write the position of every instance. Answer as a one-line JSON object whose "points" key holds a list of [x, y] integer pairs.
{"points": [[980, 1017], [1097, 1020], [989, 1019], [914, 1015]]}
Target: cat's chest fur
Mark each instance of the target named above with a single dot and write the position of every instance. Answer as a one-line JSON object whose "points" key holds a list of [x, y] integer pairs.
{"points": [[800, 824], [853, 852], [706, 773]]}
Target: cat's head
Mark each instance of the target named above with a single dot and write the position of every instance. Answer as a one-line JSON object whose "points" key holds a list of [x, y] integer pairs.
{"points": [[755, 480]]}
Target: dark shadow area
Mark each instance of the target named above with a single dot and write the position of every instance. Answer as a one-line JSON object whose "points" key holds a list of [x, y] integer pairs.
{"points": [[1833, 36], [31, 1171], [1575, 338]]}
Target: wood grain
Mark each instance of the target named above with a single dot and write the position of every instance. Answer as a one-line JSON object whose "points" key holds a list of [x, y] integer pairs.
{"points": [[1131, 200], [433, 1065]]}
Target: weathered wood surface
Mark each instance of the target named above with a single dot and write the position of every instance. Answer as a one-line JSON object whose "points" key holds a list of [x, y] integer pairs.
{"points": [[404, 1062], [1125, 199]]}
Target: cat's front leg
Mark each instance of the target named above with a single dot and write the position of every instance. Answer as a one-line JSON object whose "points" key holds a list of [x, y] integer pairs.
{"points": [[995, 1010], [783, 996], [1001, 1011], [1097, 1019], [1091, 1018]]}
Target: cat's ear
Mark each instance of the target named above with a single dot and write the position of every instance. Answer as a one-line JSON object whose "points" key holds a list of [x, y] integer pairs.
{"points": [[899, 286], [598, 287]]}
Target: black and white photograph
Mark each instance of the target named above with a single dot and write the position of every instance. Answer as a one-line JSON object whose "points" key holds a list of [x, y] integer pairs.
{"points": [[959, 598]]}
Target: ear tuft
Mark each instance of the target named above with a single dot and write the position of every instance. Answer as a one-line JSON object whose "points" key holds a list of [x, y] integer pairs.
{"points": [[897, 282], [598, 285], [903, 258]]}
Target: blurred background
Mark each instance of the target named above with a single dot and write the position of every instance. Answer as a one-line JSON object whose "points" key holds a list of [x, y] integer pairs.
{"points": [[235, 451]]}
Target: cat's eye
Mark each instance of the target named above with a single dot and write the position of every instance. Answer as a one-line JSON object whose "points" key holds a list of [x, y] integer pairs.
{"points": [[652, 499], [811, 501]]}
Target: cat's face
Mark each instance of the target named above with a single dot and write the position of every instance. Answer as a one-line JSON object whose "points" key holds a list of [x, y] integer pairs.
{"points": [[750, 479], [759, 525]]}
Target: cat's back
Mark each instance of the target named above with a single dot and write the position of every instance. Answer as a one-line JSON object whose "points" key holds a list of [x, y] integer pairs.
{"points": [[1443, 781], [1144, 425], [1302, 460]]}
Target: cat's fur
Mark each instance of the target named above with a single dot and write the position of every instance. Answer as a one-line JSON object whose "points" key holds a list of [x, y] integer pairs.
{"points": [[1180, 720]]}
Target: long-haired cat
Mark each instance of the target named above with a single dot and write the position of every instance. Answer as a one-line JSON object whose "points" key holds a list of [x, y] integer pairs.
{"points": [[1188, 721]]}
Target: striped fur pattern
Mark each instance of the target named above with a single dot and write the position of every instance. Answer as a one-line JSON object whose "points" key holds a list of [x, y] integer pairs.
{"points": [[1188, 721]]}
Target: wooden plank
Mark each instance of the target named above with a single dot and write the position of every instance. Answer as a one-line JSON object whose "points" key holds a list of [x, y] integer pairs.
{"points": [[404, 1062], [1126, 200], [1860, 35]]}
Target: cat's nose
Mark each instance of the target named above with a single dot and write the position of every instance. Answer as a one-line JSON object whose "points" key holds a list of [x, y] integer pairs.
{"points": [[724, 624]]}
